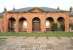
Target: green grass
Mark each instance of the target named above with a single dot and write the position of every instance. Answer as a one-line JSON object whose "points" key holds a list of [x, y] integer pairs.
{"points": [[37, 34], [1, 16]]}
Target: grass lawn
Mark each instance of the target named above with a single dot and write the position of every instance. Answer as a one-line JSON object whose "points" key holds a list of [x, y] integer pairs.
{"points": [[37, 34]]}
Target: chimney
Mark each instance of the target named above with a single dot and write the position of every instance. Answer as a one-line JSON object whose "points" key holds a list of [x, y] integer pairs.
{"points": [[71, 9], [5, 9], [13, 9], [58, 8]]}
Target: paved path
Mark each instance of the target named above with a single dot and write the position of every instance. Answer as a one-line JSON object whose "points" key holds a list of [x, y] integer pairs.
{"points": [[32, 43]]}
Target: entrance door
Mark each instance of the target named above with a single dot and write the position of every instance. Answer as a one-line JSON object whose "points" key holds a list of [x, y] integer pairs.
{"points": [[36, 25], [11, 25]]}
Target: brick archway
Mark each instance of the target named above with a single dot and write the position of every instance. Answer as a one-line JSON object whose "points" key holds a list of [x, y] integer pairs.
{"points": [[22, 24], [49, 23], [11, 24], [61, 24], [36, 24]]}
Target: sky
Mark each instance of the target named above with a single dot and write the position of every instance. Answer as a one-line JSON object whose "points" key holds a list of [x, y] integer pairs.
{"points": [[10, 4]]}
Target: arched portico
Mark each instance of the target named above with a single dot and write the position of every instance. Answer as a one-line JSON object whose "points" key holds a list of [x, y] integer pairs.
{"points": [[22, 24], [61, 25], [11, 24], [36, 24], [49, 22]]}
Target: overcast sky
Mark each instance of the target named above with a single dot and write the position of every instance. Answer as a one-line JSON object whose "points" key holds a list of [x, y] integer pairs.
{"points": [[9, 4]]}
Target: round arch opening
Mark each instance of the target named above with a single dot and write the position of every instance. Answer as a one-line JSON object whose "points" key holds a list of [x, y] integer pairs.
{"points": [[11, 24], [49, 23], [36, 24], [22, 25], [61, 25]]}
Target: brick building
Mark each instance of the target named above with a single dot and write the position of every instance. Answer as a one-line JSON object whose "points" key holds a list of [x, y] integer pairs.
{"points": [[36, 19]]}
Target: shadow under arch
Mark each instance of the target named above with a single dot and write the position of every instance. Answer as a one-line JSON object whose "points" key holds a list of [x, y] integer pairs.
{"points": [[22, 24], [61, 24], [36, 24], [11, 24], [49, 22]]}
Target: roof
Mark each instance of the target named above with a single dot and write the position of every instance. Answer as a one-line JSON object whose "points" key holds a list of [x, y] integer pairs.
{"points": [[46, 9], [29, 9]]}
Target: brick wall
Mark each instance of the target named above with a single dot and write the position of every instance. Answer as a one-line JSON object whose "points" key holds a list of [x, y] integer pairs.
{"points": [[29, 16]]}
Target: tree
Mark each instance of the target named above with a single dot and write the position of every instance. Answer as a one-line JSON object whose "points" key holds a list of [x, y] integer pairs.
{"points": [[54, 27]]}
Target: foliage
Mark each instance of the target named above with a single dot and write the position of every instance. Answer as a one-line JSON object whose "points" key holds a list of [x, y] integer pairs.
{"points": [[54, 27], [1, 16]]}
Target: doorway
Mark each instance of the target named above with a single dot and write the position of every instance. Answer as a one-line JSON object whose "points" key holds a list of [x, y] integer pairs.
{"points": [[36, 24]]}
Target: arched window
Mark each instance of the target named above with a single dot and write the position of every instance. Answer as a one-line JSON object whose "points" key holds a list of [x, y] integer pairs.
{"points": [[11, 25], [61, 26], [36, 24], [22, 25], [49, 22]]}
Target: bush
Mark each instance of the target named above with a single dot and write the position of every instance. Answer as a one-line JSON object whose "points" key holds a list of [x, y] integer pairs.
{"points": [[54, 27]]}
